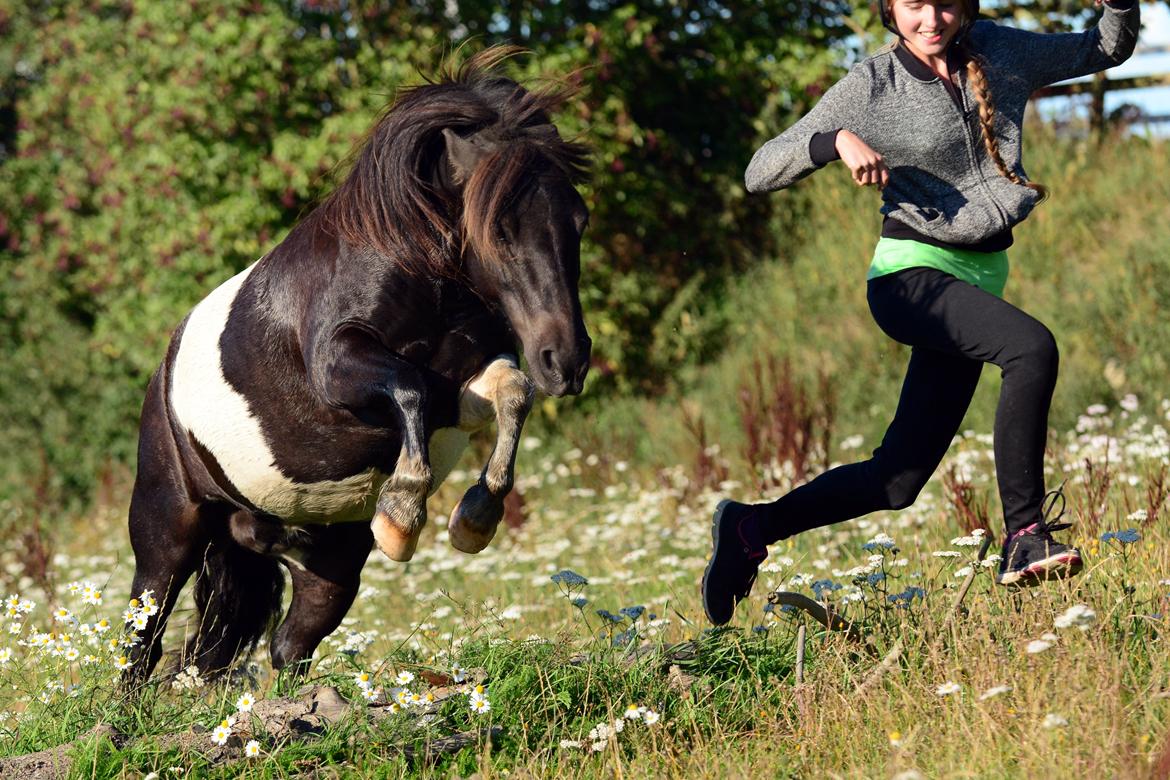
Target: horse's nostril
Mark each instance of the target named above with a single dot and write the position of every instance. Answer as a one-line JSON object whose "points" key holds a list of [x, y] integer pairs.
{"points": [[548, 361], [581, 372]]}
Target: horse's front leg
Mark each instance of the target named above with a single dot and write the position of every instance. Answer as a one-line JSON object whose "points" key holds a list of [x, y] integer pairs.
{"points": [[504, 391], [353, 371], [402, 502]]}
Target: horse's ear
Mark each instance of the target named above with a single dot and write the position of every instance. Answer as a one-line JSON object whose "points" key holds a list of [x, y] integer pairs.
{"points": [[463, 154]]}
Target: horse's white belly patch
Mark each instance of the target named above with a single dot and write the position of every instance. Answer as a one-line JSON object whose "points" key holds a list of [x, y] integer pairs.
{"points": [[219, 418]]}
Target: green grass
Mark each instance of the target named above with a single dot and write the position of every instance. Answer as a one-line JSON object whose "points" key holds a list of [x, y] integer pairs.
{"points": [[553, 671]]}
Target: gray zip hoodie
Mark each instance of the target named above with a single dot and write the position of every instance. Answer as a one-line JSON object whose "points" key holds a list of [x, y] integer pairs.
{"points": [[943, 184]]}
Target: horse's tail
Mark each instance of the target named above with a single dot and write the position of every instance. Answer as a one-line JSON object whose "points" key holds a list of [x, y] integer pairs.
{"points": [[238, 599]]}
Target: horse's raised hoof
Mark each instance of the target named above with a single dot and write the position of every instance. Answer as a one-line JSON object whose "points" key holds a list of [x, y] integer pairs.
{"points": [[473, 523], [395, 543]]}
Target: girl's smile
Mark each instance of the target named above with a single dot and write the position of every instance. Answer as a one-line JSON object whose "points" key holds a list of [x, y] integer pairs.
{"points": [[927, 26]]}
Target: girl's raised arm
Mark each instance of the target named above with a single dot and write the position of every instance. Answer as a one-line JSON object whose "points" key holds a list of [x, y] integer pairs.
{"points": [[1045, 58], [787, 158]]}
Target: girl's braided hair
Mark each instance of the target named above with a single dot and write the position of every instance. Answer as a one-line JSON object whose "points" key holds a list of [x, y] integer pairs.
{"points": [[978, 80]]}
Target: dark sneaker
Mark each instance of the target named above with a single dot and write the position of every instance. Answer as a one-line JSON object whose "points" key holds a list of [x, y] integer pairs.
{"points": [[735, 560], [1031, 555]]}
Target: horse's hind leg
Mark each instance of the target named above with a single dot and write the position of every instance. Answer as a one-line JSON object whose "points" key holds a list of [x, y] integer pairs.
{"points": [[325, 570], [506, 392], [166, 531]]}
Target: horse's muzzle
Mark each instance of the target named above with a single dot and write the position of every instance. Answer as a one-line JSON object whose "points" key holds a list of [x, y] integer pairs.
{"points": [[562, 372]]}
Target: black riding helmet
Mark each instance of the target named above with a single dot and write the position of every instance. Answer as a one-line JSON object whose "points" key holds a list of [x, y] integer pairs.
{"points": [[971, 10]]}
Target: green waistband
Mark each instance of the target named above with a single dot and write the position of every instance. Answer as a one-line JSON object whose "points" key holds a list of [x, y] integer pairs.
{"points": [[986, 270]]}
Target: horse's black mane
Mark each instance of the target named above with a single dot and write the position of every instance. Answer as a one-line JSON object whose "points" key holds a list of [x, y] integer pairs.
{"points": [[391, 202]]}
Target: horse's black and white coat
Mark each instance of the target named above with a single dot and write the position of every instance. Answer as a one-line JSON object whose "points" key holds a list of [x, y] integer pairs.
{"points": [[310, 403]]}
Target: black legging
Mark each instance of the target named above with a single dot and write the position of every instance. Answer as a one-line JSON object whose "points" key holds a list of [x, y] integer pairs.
{"points": [[953, 328]]}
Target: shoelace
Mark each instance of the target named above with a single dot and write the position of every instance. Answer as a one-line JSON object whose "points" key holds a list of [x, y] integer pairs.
{"points": [[1046, 526]]}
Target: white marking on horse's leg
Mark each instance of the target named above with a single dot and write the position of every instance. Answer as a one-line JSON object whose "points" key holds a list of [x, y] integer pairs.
{"points": [[508, 392], [402, 507]]}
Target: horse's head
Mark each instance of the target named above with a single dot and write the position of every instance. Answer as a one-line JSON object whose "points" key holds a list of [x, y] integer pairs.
{"points": [[522, 221]]}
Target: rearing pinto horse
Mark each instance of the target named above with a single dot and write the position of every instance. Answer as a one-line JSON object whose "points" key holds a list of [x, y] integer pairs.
{"points": [[309, 405]]}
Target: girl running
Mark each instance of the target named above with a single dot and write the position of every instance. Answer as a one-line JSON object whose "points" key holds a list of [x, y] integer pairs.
{"points": [[935, 122]]}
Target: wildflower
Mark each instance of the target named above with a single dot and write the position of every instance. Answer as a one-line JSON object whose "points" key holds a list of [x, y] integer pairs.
{"points": [[946, 554], [1054, 721], [991, 560], [363, 679], [5, 655], [569, 743], [650, 717], [149, 605], [633, 712], [906, 596], [72, 654], [91, 595], [991, 693], [252, 749], [457, 673], [882, 541], [1128, 536], [895, 738], [963, 572], [102, 626], [1079, 615], [598, 746], [947, 688], [404, 678], [371, 694], [479, 704], [1037, 646], [569, 579], [245, 702], [1138, 516], [968, 541], [74, 588], [122, 664], [579, 601], [1096, 409], [612, 618], [633, 613], [62, 615], [823, 587], [1129, 403], [221, 733], [140, 620]]}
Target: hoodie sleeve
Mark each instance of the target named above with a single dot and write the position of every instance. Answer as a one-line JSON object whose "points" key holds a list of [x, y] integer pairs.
{"points": [[1044, 59], [788, 157]]}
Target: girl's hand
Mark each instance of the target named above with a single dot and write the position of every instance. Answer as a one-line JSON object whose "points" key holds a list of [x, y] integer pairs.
{"points": [[866, 165]]}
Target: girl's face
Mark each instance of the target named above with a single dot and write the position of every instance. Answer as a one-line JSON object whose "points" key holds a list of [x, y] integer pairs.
{"points": [[927, 26]]}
